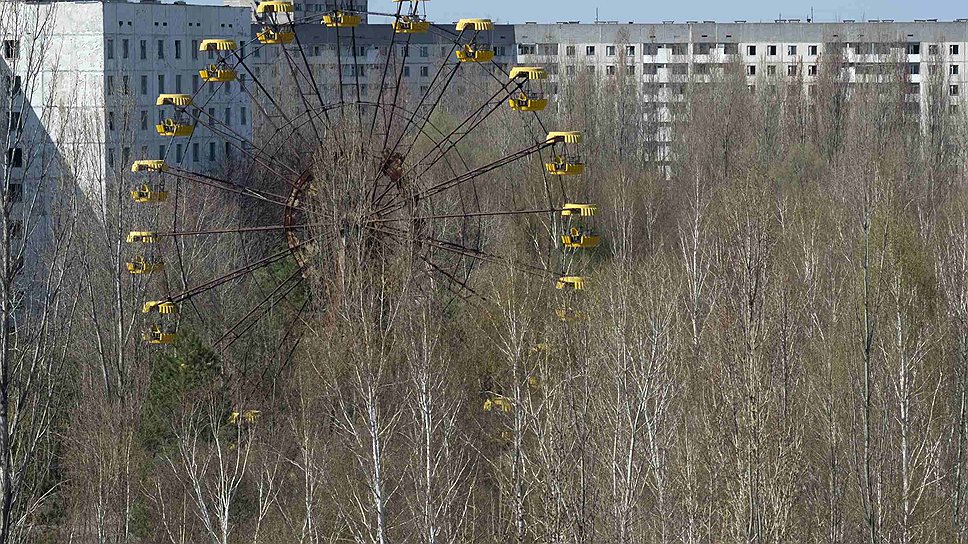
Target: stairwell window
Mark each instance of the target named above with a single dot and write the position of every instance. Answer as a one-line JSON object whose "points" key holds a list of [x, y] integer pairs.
{"points": [[109, 49], [177, 49], [11, 49], [15, 157], [143, 50], [161, 49]]}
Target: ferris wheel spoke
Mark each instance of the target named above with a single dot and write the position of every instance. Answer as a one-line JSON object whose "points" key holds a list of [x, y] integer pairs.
{"points": [[450, 277], [239, 142], [386, 69], [263, 307], [401, 202], [269, 228], [240, 272], [471, 124], [231, 187], [454, 247], [295, 78], [425, 96]]}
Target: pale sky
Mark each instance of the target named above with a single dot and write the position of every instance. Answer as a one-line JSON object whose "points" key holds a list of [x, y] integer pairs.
{"points": [[518, 11]]}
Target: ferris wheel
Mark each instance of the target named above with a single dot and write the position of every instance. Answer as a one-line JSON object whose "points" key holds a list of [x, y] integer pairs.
{"points": [[351, 167]]}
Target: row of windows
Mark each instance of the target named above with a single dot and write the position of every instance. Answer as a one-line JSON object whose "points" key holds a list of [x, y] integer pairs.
{"points": [[159, 51], [122, 85], [211, 116], [705, 48], [179, 153]]}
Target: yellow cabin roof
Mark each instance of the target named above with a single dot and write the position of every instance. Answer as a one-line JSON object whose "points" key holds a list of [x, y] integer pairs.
{"points": [[149, 166], [573, 282], [274, 6], [180, 100], [475, 24], [584, 210], [529, 72], [161, 306], [573, 137], [217, 45]]}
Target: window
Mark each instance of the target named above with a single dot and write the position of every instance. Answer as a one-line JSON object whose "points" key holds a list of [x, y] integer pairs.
{"points": [[424, 71], [195, 50], [125, 155], [144, 85], [195, 83], [161, 152], [630, 69], [211, 151], [178, 83], [177, 49], [406, 71], [161, 83], [161, 117], [228, 116], [731, 49], [953, 90], [211, 114], [527, 49], [590, 50], [110, 157], [110, 120], [751, 70], [933, 49], [678, 48], [792, 70], [913, 49], [143, 50], [179, 155], [791, 50], [243, 116], [14, 121], [609, 50], [424, 52], [12, 85], [771, 50], [610, 70], [590, 69], [109, 49], [630, 50], [954, 69], [812, 70], [161, 49], [812, 50], [125, 85], [914, 68], [651, 49], [15, 193], [11, 49], [650, 69], [953, 49], [751, 50], [109, 85], [144, 120], [15, 157], [125, 49], [771, 70]]}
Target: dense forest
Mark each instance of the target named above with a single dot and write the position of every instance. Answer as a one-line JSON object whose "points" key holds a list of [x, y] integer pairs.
{"points": [[772, 347]]}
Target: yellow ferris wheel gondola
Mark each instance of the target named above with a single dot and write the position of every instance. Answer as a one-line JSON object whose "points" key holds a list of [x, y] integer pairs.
{"points": [[565, 159], [158, 336], [220, 71], [473, 52], [139, 237], [146, 195], [162, 307], [274, 6], [149, 166], [530, 95], [342, 19], [270, 36], [578, 238], [140, 266], [575, 283]]}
